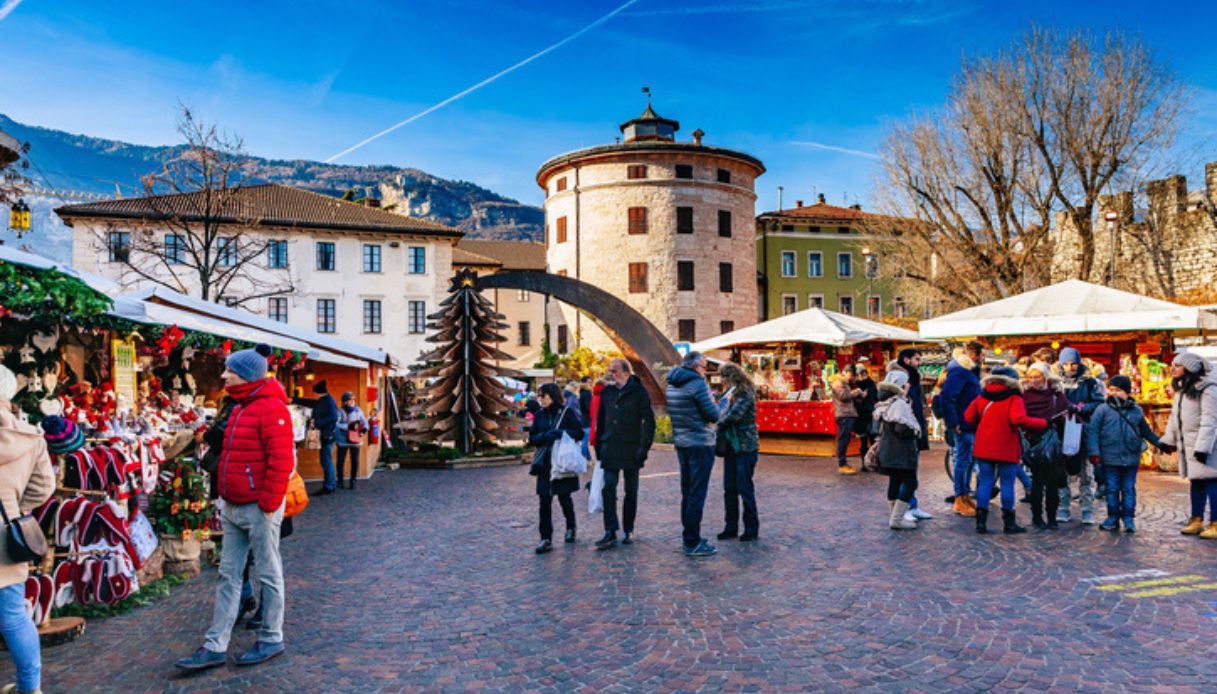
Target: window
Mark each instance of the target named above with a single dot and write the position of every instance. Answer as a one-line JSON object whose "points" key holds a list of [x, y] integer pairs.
{"points": [[899, 309], [847, 305], [326, 319], [226, 252], [638, 220], [417, 260], [845, 265], [788, 264], [684, 220], [371, 257], [724, 223], [563, 346], [813, 230], [561, 229], [560, 185], [724, 176], [638, 278], [686, 330], [726, 281], [790, 304], [636, 171], [525, 334], [325, 255], [815, 301], [684, 171], [725, 326], [815, 264], [276, 309], [684, 275], [175, 249], [120, 246], [842, 230], [276, 254], [874, 306], [417, 317], [371, 316], [523, 296], [787, 227]]}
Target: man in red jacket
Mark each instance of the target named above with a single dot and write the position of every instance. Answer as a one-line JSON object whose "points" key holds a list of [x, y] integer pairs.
{"points": [[256, 460]]}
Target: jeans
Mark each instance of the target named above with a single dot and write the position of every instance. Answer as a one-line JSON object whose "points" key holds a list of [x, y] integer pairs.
{"points": [[21, 637], [696, 463], [1006, 472], [629, 508], [247, 527], [1085, 481], [845, 428], [964, 462], [1203, 490], [737, 486], [327, 463], [1046, 480], [1024, 479], [587, 443], [901, 484], [546, 525], [351, 452], [1121, 490]]}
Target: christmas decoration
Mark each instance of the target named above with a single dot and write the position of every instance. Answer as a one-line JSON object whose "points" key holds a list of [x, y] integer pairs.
{"points": [[179, 506]]}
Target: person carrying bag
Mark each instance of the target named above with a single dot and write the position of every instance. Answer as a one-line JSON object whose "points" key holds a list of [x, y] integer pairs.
{"points": [[551, 423]]}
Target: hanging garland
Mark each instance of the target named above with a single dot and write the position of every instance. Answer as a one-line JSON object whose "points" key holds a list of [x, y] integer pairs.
{"points": [[48, 296]]}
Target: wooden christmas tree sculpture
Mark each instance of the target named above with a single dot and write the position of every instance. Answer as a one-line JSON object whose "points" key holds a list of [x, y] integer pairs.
{"points": [[466, 404]]}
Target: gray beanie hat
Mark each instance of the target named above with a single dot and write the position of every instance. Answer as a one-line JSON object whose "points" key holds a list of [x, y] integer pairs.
{"points": [[897, 377], [1191, 362], [249, 364], [8, 383]]}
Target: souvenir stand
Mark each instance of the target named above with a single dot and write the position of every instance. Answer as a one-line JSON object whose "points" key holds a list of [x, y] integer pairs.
{"points": [[791, 360], [1116, 332]]}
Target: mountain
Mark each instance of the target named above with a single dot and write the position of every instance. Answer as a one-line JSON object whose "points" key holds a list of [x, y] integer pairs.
{"points": [[93, 166]]}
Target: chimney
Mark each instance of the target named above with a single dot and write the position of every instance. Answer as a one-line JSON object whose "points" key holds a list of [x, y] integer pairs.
{"points": [[820, 199], [856, 206], [798, 203], [697, 136]]}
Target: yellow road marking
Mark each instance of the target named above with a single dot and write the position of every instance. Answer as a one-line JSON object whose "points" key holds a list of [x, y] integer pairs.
{"points": [[1171, 590], [1155, 582]]}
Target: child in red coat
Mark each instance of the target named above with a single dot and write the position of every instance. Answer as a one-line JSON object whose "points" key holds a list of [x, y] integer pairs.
{"points": [[996, 415]]}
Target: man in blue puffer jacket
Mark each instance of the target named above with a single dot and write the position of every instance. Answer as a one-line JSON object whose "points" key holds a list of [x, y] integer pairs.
{"points": [[693, 414], [959, 389]]}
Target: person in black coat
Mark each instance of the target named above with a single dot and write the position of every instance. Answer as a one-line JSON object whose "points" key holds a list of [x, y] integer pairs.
{"points": [[864, 424], [625, 429], [325, 420], [548, 425]]}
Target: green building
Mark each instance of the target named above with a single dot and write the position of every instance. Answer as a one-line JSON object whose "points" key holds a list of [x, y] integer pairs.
{"points": [[819, 256]]}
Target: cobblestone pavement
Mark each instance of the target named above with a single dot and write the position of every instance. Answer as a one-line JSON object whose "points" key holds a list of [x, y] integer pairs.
{"points": [[425, 580]]}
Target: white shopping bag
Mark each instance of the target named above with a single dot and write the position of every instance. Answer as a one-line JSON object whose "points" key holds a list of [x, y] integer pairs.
{"points": [[595, 500], [566, 456], [1071, 442]]}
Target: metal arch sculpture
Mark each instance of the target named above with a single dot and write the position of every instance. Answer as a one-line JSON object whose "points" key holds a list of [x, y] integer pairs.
{"points": [[646, 348]]}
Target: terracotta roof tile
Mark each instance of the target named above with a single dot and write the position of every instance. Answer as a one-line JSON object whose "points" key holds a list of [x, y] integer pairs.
{"points": [[513, 255], [268, 204], [462, 257]]}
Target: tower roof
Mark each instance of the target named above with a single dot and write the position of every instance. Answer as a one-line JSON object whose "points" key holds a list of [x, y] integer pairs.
{"points": [[649, 126]]}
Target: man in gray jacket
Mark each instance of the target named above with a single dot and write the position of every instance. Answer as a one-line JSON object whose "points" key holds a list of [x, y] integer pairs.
{"points": [[693, 413]]}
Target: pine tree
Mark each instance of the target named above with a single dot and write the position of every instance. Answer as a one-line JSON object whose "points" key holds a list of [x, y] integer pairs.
{"points": [[466, 404]]}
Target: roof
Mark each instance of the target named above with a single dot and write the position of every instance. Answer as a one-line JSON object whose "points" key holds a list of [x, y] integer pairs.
{"points": [[512, 255], [462, 257], [10, 149], [811, 325], [1072, 306], [649, 116], [267, 204], [643, 147]]}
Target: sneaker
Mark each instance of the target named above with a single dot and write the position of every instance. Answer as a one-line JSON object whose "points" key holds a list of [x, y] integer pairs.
{"points": [[1062, 516], [570, 536], [703, 549], [1112, 523], [261, 652], [1129, 526], [846, 470], [202, 659], [627, 539], [545, 547], [921, 515], [910, 516], [1087, 518]]}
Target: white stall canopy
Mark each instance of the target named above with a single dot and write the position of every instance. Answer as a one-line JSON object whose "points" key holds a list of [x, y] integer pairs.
{"points": [[812, 325]]}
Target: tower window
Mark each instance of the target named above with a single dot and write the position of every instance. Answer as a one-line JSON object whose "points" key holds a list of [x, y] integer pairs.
{"points": [[638, 220], [724, 223], [636, 171], [561, 229], [724, 176], [684, 171], [638, 278], [560, 185], [686, 330], [684, 275], [684, 220], [726, 281]]}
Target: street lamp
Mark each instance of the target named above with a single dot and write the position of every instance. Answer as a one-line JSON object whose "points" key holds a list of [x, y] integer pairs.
{"points": [[872, 267], [1111, 218]]}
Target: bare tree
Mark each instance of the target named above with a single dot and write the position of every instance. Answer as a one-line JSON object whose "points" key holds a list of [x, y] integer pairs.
{"points": [[198, 235]]}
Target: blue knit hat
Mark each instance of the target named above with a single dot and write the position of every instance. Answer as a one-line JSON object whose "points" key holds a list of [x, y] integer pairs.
{"points": [[1070, 355], [1004, 371], [249, 364]]}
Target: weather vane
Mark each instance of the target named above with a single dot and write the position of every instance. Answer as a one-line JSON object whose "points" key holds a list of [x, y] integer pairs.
{"points": [[647, 90]]}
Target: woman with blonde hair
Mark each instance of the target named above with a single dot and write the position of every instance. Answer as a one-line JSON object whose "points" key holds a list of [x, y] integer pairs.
{"points": [[740, 444]]}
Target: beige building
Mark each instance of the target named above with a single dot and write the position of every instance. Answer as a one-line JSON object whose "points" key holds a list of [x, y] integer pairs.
{"points": [[666, 226], [523, 311]]}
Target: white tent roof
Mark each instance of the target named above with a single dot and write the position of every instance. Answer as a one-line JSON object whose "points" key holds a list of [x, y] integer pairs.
{"points": [[812, 325], [9, 254], [156, 314], [1072, 306]]}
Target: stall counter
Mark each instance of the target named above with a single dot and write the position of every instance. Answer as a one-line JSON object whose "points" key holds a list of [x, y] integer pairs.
{"points": [[795, 417]]}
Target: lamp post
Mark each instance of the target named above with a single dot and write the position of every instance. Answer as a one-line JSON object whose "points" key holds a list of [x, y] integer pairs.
{"points": [[1111, 218], [872, 263]]}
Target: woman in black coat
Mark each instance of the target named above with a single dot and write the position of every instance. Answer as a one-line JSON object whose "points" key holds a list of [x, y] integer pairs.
{"points": [[625, 429], [548, 425]]}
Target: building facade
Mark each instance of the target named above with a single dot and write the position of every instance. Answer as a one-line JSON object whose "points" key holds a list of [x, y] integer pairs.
{"points": [[523, 311], [824, 256], [340, 268], [666, 226]]}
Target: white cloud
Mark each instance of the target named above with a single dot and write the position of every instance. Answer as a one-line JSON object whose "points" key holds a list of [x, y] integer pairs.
{"points": [[7, 8]]}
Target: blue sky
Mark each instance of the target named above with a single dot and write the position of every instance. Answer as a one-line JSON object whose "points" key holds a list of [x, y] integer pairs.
{"points": [[309, 78]]}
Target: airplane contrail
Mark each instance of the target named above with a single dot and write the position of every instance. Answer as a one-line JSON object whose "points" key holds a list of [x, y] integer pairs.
{"points": [[834, 148], [483, 83], [7, 7]]}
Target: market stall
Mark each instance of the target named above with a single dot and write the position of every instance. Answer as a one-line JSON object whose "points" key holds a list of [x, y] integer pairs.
{"points": [[1116, 332], [791, 360]]}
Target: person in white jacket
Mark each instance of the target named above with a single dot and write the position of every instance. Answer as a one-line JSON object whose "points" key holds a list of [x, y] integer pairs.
{"points": [[1192, 429]]}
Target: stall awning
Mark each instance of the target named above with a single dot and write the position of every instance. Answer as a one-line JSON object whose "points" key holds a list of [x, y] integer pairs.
{"points": [[156, 314], [812, 325], [9, 254], [330, 358], [1072, 306]]}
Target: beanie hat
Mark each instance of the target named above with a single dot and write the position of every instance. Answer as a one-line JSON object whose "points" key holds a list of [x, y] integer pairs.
{"points": [[1042, 368], [62, 435], [898, 377], [249, 364], [1070, 355], [319, 388], [1004, 371], [1191, 362], [1124, 383], [8, 383], [348, 396]]}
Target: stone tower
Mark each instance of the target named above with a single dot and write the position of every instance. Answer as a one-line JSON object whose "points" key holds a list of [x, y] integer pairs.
{"points": [[665, 225]]}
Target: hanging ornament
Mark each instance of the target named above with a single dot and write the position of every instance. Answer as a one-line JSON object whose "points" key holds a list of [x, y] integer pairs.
{"points": [[169, 340], [45, 342]]}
